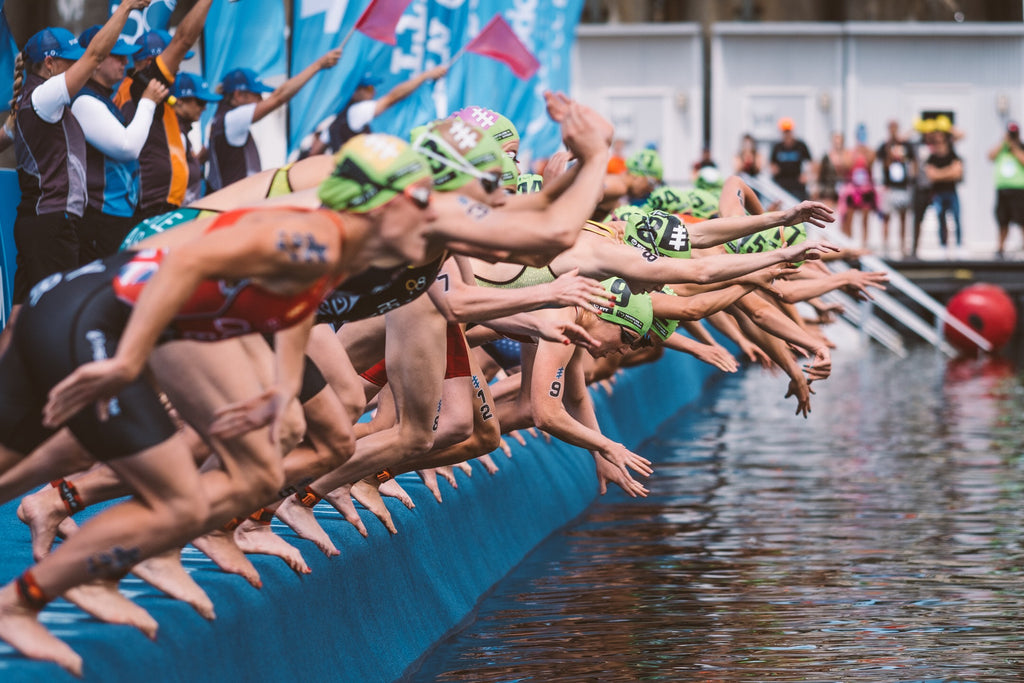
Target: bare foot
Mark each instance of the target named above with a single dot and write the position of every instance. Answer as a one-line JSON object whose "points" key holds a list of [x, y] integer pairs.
{"points": [[429, 478], [20, 628], [42, 511], [220, 547], [393, 489], [101, 599], [303, 522], [341, 500], [367, 494], [488, 462], [505, 448], [253, 537], [449, 475], [466, 468], [166, 573]]}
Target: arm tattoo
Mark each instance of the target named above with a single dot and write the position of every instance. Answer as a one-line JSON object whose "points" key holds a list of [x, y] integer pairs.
{"points": [[302, 247]]}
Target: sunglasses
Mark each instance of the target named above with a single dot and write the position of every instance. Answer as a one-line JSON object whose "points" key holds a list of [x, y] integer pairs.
{"points": [[418, 195]]}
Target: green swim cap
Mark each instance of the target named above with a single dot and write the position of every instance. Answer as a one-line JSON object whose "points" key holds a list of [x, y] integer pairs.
{"points": [[646, 162], [529, 183], [496, 124], [509, 172], [768, 240], [458, 153], [622, 213], [699, 203], [632, 311], [371, 170], [709, 178], [664, 234], [667, 199], [663, 328]]}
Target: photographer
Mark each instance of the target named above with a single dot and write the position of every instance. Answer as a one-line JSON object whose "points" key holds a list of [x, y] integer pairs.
{"points": [[1008, 156]]}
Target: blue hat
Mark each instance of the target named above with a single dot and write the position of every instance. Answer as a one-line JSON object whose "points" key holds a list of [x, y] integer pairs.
{"points": [[53, 42], [192, 85], [245, 80], [120, 48], [369, 79], [152, 43]]}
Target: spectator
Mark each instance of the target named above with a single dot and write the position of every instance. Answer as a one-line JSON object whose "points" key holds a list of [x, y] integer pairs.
{"points": [[364, 106], [233, 153], [945, 169], [896, 157], [50, 149], [193, 96], [858, 191], [789, 161], [1008, 156], [748, 160], [163, 164], [112, 151], [831, 171]]}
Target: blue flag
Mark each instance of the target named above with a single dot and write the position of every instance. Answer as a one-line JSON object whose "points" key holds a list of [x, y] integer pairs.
{"points": [[153, 17]]}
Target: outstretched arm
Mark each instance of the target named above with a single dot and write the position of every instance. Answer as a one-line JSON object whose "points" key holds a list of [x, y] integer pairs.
{"points": [[289, 88]]}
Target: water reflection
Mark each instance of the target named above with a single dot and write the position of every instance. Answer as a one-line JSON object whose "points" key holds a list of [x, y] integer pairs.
{"points": [[879, 540]]}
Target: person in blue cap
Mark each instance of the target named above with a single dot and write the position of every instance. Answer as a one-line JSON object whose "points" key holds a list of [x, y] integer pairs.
{"points": [[192, 96], [50, 147], [364, 106], [163, 164], [233, 153], [112, 151]]}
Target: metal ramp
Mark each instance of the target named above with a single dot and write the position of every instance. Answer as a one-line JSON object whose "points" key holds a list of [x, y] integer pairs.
{"points": [[860, 314]]}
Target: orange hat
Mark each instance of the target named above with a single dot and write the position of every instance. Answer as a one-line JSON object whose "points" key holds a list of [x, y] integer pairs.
{"points": [[785, 123]]}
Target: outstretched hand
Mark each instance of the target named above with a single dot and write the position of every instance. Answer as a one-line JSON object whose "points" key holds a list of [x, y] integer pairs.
{"points": [[572, 289], [814, 213], [802, 390], [811, 250], [609, 473]]}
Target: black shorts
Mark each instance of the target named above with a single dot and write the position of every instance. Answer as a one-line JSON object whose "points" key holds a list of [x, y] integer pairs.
{"points": [[70, 319], [1010, 206], [46, 244], [313, 381]]}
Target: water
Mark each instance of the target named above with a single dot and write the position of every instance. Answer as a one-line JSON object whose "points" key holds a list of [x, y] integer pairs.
{"points": [[880, 540]]}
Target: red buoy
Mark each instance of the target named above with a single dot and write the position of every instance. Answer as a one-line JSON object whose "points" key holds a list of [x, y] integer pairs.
{"points": [[989, 310]]}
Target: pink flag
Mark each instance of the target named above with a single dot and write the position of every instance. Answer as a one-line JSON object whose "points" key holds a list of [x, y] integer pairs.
{"points": [[499, 41], [380, 19]]}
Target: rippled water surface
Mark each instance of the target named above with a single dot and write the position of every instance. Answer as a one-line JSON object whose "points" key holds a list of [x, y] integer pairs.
{"points": [[880, 540]]}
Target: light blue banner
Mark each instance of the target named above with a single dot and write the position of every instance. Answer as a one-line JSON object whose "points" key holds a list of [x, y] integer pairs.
{"points": [[249, 34]]}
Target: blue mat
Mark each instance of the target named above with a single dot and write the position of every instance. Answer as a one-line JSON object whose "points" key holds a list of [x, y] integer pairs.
{"points": [[370, 613]]}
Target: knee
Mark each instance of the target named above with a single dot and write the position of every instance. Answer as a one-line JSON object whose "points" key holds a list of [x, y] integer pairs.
{"points": [[489, 435], [416, 441], [259, 485], [354, 403], [291, 428]]}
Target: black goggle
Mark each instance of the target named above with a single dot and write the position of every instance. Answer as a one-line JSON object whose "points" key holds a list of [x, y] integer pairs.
{"points": [[490, 182]]}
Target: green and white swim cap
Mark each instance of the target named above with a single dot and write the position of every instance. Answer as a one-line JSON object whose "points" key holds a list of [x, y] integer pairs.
{"points": [[509, 173], [709, 178], [632, 311], [622, 213], [699, 203], [529, 183], [668, 199], [165, 221], [458, 153], [371, 170], [497, 125], [663, 328], [768, 240], [664, 234], [646, 162]]}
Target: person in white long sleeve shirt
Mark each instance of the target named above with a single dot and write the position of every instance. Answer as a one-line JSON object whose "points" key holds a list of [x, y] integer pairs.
{"points": [[112, 151]]}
